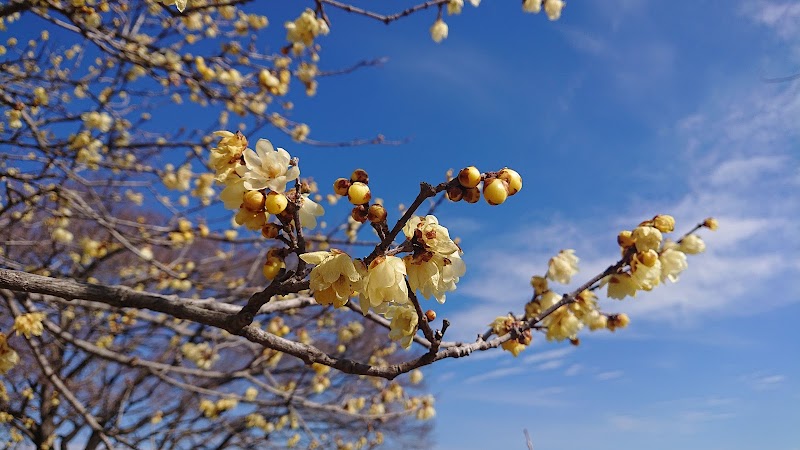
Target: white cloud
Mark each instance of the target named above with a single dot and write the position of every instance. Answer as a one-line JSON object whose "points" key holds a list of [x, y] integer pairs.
{"points": [[762, 382], [573, 370], [609, 375], [741, 166], [494, 374], [547, 355]]}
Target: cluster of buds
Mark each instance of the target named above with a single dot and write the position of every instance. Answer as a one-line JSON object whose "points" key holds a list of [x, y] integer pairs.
{"points": [[497, 186], [356, 189]]}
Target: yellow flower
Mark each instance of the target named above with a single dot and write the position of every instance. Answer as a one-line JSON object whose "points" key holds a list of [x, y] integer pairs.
{"points": [[454, 7], [621, 285], [268, 167], [385, 282], [436, 276], [334, 279], [309, 211], [202, 355], [563, 266], [29, 324], [404, 324], [553, 8], [426, 411], [711, 223], [439, 31], [532, 6], [226, 155], [673, 262], [8, 357], [427, 232], [561, 324], [647, 238], [646, 270], [692, 245]]}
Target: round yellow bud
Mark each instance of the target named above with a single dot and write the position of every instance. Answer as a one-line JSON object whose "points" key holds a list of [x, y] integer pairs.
{"points": [[625, 239], [617, 321], [360, 175], [340, 186], [711, 223], [472, 195], [272, 268], [276, 203], [664, 223], [455, 193], [376, 213], [254, 200], [648, 258], [513, 179], [495, 191], [358, 193], [469, 177], [430, 315]]}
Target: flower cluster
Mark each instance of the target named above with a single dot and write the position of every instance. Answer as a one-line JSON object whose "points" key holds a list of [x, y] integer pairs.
{"points": [[435, 265], [433, 268], [29, 324], [497, 186], [256, 187], [652, 259]]}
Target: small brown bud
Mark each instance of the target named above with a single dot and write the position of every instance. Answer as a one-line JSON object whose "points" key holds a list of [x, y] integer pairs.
{"points": [[340, 186], [575, 341], [270, 230], [455, 193], [376, 213], [430, 315], [360, 175], [359, 213], [472, 195]]}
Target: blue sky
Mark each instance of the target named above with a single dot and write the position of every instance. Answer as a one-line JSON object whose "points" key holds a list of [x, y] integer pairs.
{"points": [[618, 111]]}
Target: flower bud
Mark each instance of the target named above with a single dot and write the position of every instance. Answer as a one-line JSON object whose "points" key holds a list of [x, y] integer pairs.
{"points": [[430, 315], [340, 186], [359, 213], [270, 230], [513, 179], [625, 239], [472, 195], [575, 341], [648, 258], [617, 321], [495, 191], [469, 177], [664, 223], [539, 284], [358, 193], [276, 203], [711, 223], [254, 201], [455, 193], [272, 268], [376, 213], [359, 175]]}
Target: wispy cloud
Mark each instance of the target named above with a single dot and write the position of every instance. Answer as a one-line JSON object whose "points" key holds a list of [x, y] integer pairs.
{"points": [[609, 375], [548, 355], [762, 382], [494, 374]]}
